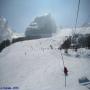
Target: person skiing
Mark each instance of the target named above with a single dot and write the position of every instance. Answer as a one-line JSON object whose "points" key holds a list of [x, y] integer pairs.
{"points": [[65, 71]]}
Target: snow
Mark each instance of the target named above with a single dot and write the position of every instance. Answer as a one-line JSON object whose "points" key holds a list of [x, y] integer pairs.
{"points": [[33, 65], [17, 35], [5, 30], [83, 30]]}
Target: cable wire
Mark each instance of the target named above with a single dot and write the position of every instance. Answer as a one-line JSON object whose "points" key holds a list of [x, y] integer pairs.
{"points": [[77, 14]]}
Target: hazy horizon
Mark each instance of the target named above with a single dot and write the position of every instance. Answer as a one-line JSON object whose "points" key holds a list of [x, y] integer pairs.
{"points": [[21, 13]]}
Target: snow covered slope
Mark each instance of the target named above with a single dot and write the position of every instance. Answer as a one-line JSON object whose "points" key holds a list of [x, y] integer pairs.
{"points": [[33, 65], [17, 35]]}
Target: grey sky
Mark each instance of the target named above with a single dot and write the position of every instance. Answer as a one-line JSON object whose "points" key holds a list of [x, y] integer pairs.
{"points": [[20, 13]]}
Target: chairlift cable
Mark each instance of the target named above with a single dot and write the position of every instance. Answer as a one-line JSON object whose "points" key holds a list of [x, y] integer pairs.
{"points": [[74, 33], [62, 58], [77, 14]]}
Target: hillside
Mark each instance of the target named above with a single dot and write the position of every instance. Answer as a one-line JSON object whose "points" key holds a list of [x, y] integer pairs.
{"points": [[34, 65]]}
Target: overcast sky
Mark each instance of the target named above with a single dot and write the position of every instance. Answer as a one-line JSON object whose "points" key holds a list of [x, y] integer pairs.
{"points": [[20, 13]]}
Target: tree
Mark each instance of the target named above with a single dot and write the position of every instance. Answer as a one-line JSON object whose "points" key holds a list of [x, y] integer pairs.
{"points": [[66, 45], [4, 44]]}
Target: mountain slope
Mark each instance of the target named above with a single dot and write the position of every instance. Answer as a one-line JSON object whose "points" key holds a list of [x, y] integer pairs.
{"points": [[33, 65]]}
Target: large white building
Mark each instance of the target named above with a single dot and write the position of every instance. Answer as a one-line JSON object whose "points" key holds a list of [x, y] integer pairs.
{"points": [[43, 26]]}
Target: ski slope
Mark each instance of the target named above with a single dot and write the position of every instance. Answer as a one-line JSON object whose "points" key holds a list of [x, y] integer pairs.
{"points": [[33, 65]]}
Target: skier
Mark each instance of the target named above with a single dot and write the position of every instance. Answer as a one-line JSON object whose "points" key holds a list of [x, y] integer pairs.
{"points": [[65, 71]]}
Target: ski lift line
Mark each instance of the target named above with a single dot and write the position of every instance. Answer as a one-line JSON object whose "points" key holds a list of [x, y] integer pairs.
{"points": [[77, 14], [64, 67], [62, 58]]}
